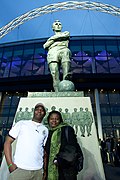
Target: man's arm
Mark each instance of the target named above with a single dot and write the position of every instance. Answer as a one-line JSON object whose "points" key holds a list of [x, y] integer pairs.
{"points": [[8, 153]]}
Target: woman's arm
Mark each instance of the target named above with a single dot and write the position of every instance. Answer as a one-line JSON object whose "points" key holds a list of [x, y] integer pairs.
{"points": [[45, 165]]}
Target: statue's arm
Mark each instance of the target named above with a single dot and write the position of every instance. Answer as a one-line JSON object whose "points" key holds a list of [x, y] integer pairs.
{"points": [[48, 43], [66, 34], [62, 37], [57, 37]]}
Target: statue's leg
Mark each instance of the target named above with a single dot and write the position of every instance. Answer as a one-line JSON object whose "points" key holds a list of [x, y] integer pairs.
{"points": [[65, 61], [54, 69], [66, 69]]}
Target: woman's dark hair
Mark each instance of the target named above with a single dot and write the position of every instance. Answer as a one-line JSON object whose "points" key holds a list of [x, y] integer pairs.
{"points": [[55, 112]]}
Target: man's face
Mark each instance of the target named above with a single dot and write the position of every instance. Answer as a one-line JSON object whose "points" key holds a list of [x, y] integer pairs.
{"points": [[57, 26], [39, 114]]}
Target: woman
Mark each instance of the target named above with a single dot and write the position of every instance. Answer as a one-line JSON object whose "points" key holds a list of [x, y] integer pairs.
{"points": [[55, 166]]}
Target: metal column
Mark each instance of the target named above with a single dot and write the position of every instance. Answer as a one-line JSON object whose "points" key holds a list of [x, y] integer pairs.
{"points": [[99, 122]]}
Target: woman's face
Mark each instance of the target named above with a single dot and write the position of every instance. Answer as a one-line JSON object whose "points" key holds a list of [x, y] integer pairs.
{"points": [[54, 120]]}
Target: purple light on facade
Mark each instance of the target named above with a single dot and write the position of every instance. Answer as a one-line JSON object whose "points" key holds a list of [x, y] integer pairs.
{"points": [[103, 56]]}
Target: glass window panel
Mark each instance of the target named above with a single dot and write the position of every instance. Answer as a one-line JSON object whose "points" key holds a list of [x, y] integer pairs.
{"points": [[76, 67], [7, 100], [13, 111], [118, 60], [101, 60], [102, 67], [106, 120], [10, 121], [114, 120], [75, 46], [114, 65], [106, 67], [26, 68], [105, 109], [38, 66], [5, 111], [8, 51], [2, 69], [5, 132], [6, 69], [5, 59], [39, 49], [1, 53], [115, 110], [90, 94], [87, 47], [8, 109], [103, 97], [0, 60], [15, 100], [17, 58], [46, 68], [15, 68], [112, 48], [39, 59], [114, 97], [28, 49], [99, 68], [119, 46], [87, 66], [4, 120], [18, 50], [77, 62], [99, 46], [0, 124], [27, 57]]}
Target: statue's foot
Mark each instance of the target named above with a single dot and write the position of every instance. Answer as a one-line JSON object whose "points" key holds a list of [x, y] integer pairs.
{"points": [[83, 135], [89, 134], [55, 85], [56, 88], [68, 76]]}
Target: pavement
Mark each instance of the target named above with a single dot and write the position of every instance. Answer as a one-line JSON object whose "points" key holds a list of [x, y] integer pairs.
{"points": [[112, 172]]}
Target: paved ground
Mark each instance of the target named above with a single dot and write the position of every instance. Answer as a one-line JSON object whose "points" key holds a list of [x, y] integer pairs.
{"points": [[111, 172]]}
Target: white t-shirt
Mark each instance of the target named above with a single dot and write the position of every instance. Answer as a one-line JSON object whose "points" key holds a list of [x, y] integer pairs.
{"points": [[31, 138]]}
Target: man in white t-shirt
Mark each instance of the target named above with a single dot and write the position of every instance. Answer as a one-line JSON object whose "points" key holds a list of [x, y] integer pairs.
{"points": [[31, 136]]}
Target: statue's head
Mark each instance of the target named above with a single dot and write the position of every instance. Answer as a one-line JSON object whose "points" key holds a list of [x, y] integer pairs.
{"points": [[57, 26]]}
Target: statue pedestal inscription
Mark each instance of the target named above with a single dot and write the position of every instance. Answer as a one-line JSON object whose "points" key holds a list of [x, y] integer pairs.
{"points": [[70, 104]]}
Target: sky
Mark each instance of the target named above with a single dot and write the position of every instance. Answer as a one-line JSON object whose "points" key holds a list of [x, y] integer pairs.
{"points": [[77, 22]]}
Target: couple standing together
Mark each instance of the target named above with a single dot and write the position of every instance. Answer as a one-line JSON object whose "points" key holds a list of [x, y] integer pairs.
{"points": [[40, 151]]}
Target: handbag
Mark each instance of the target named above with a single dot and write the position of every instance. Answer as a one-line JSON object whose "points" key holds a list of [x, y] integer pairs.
{"points": [[70, 156]]}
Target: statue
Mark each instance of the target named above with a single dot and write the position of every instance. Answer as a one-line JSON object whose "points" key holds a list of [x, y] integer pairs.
{"points": [[58, 54]]}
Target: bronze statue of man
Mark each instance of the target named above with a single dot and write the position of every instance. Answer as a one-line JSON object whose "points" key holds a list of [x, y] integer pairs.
{"points": [[58, 53]]}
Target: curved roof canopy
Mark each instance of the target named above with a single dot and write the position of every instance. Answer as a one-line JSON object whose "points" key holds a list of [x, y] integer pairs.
{"points": [[98, 18]]}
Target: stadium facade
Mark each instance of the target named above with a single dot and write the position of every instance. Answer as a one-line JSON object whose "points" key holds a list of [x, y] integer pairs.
{"points": [[95, 66]]}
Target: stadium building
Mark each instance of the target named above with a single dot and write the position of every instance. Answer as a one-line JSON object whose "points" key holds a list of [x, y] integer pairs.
{"points": [[95, 67]]}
